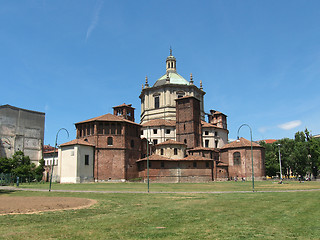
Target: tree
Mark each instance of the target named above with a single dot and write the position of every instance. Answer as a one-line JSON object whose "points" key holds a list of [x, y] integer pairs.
{"points": [[271, 162], [38, 171], [23, 167], [20, 166]]}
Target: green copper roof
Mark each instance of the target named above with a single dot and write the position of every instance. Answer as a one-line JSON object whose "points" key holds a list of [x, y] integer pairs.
{"points": [[175, 78]]}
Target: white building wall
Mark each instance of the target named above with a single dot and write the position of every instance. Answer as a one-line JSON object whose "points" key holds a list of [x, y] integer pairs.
{"points": [[215, 134], [161, 135], [73, 168], [68, 164]]}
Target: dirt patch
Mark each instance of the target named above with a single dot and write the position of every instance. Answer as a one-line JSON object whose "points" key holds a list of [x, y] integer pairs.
{"points": [[28, 205]]}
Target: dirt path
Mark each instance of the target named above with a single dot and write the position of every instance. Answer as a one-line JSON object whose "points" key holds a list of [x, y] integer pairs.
{"points": [[28, 205]]}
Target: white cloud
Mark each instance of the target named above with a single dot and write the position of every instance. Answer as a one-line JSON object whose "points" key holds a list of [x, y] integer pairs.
{"points": [[95, 19], [262, 129], [290, 125]]}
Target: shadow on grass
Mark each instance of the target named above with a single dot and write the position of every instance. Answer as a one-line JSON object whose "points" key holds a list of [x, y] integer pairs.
{"points": [[4, 191]]}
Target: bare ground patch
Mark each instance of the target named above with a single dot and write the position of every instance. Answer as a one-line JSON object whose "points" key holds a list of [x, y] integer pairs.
{"points": [[29, 205]]}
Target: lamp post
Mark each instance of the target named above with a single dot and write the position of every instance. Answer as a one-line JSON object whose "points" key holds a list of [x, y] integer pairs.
{"points": [[280, 163], [251, 152], [148, 161], [54, 151]]}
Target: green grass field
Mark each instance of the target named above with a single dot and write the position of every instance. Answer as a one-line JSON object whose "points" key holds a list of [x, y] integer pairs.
{"points": [[180, 187], [259, 215]]}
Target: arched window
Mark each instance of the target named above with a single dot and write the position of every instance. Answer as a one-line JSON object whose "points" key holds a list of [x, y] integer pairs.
{"points": [[236, 158], [110, 141], [175, 151], [156, 102]]}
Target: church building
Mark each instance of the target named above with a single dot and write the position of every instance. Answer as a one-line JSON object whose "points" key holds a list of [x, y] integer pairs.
{"points": [[173, 136]]}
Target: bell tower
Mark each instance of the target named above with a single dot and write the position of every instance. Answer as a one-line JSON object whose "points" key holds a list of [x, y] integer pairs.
{"points": [[171, 63]]}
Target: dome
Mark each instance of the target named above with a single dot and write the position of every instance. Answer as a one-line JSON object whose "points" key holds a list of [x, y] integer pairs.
{"points": [[174, 77]]}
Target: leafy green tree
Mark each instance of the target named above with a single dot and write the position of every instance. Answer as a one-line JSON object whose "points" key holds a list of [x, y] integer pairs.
{"points": [[271, 162], [6, 165], [22, 166], [38, 171], [286, 149]]}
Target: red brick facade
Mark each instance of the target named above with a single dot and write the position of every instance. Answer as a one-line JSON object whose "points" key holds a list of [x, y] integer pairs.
{"points": [[117, 146], [188, 123], [238, 157]]}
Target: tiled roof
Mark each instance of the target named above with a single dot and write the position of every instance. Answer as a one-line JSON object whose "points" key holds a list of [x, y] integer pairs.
{"points": [[196, 158], [47, 148], [76, 142], [209, 125], [124, 105], [108, 118], [242, 142], [203, 148], [185, 97], [269, 141], [155, 157], [170, 142], [51, 151], [214, 112], [159, 122]]}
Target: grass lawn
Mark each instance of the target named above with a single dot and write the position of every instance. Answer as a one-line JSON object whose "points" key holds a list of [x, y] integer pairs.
{"points": [[180, 187], [279, 215]]}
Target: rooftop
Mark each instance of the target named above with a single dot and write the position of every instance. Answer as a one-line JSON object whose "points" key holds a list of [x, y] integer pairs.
{"points": [[174, 77], [76, 142], [108, 117], [242, 142], [159, 122]]}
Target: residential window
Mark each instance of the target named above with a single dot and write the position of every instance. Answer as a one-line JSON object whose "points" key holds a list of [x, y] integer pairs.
{"points": [[162, 164], [100, 128], [161, 151], [141, 132], [206, 143], [110, 141], [86, 159], [194, 164], [113, 128], [156, 102], [185, 141], [155, 131], [175, 151], [132, 143], [216, 134], [180, 96], [206, 133], [155, 141], [236, 158], [216, 143], [168, 131], [207, 164]]}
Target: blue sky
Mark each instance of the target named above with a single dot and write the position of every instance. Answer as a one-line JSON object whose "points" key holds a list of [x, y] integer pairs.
{"points": [[259, 61]]}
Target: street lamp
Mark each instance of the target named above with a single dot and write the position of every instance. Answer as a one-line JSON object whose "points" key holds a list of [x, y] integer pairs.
{"points": [[280, 163], [54, 151], [251, 152], [148, 161]]}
